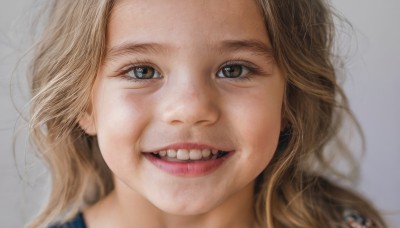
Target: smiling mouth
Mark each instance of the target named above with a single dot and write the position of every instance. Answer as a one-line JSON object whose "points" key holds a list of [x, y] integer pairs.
{"points": [[188, 159], [189, 155]]}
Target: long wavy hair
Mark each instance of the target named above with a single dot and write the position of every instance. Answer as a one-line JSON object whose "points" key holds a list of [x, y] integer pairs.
{"points": [[290, 192]]}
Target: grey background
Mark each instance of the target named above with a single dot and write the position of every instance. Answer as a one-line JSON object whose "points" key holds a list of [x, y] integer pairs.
{"points": [[372, 64]]}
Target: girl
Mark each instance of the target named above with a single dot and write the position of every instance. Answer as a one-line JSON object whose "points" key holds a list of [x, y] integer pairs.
{"points": [[190, 114]]}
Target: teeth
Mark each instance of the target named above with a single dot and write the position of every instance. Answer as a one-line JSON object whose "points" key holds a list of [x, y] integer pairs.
{"points": [[184, 154], [171, 153], [195, 155], [205, 153]]}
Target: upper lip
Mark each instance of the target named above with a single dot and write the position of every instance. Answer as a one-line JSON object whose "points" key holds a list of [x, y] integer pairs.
{"points": [[188, 146]]}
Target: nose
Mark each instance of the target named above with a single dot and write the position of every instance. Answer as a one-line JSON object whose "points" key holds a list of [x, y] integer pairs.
{"points": [[191, 102]]}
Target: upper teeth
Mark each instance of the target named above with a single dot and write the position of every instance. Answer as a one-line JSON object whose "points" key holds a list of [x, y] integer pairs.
{"points": [[185, 154]]}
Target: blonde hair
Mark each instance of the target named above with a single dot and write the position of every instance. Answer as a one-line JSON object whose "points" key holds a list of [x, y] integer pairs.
{"points": [[288, 193]]}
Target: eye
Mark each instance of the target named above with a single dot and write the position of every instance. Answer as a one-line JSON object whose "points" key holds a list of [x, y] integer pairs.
{"points": [[232, 71], [143, 72]]}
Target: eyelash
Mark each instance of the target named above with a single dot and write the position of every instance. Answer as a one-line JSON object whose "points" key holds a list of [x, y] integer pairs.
{"points": [[130, 67], [252, 70]]}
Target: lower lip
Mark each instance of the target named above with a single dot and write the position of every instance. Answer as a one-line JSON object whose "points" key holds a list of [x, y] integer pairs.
{"points": [[188, 169]]}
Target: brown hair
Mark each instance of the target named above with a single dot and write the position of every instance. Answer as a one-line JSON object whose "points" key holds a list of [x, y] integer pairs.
{"points": [[290, 192]]}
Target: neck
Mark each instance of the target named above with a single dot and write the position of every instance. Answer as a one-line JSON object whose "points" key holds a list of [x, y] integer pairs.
{"points": [[125, 208]]}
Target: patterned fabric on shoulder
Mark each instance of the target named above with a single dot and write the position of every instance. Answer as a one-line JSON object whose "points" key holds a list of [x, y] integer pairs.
{"points": [[356, 220]]}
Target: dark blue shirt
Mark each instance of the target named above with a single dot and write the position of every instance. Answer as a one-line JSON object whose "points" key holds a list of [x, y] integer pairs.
{"points": [[351, 217], [77, 222]]}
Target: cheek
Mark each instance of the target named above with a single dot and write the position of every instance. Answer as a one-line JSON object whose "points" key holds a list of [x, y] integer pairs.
{"points": [[261, 130], [120, 119], [260, 134], [257, 119]]}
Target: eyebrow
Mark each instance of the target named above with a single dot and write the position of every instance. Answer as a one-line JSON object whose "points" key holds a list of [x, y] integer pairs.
{"points": [[254, 46], [130, 48]]}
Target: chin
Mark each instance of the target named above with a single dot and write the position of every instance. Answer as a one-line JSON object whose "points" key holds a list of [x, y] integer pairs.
{"points": [[185, 206]]}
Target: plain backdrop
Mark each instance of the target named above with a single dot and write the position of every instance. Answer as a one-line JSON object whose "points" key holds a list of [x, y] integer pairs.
{"points": [[373, 75]]}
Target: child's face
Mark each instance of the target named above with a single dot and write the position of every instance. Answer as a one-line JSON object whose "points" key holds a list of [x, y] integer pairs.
{"points": [[208, 81]]}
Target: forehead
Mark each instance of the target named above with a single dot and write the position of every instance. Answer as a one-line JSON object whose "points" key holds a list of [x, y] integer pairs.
{"points": [[184, 23]]}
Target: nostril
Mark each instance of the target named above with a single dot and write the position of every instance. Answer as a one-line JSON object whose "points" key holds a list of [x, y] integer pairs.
{"points": [[184, 109]]}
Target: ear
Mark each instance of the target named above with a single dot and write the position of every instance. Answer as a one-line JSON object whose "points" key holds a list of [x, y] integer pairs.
{"points": [[87, 123]]}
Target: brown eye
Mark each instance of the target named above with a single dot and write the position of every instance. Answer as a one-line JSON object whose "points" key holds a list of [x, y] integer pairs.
{"points": [[232, 71], [143, 72]]}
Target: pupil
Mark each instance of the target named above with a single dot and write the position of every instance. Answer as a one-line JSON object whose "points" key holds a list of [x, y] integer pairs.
{"points": [[144, 72], [233, 71]]}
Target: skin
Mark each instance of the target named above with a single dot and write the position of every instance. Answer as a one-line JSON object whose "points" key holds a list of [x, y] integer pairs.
{"points": [[189, 102]]}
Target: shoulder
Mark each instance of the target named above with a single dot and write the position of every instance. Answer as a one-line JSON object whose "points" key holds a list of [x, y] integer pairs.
{"points": [[344, 206], [77, 222]]}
